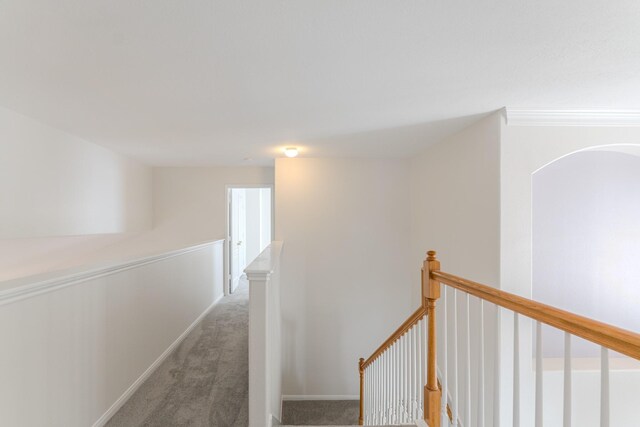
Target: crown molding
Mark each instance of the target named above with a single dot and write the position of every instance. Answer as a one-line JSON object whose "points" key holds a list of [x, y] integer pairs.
{"points": [[524, 117]]}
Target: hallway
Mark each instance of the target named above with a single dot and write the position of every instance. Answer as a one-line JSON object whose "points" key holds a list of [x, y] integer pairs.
{"points": [[205, 381]]}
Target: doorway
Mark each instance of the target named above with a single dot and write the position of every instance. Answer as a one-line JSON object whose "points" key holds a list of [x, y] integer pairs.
{"points": [[249, 228]]}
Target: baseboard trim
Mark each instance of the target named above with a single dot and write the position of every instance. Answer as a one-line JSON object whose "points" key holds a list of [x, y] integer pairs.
{"points": [[321, 397], [151, 369]]}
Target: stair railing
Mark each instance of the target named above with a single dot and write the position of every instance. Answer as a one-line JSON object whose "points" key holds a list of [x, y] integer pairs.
{"points": [[392, 378]]}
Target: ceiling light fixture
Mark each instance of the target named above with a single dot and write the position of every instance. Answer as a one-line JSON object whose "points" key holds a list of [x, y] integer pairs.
{"points": [[291, 152]]}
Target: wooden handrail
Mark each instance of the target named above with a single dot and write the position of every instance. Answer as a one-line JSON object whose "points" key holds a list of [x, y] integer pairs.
{"points": [[611, 337], [408, 324], [608, 336]]}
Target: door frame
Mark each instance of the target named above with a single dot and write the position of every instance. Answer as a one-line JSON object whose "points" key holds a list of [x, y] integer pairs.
{"points": [[227, 252]]}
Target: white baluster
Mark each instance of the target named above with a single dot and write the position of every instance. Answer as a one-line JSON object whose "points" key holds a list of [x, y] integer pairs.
{"points": [[516, 371], [377, 414], [480, 399], [407, 374], [421, 362], [383, 390], [445, 359], [400, 378], [380, 387], [370, 398], [405, 378], [367, 378], [381, 393], [416, 372], [392, 402], [539, 374], [412, 369], [496, 369], [424, 362], [380, 390], [398, 381], [604, 387], [567, 381], [387, 401], [372, 401], [467, 397], [393, 380], [387, 382], [373, 392], [366, 396], [454, 351]]}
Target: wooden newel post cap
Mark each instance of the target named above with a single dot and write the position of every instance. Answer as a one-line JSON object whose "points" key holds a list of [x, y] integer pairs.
{"points": [[360, 363], [431, 287]]}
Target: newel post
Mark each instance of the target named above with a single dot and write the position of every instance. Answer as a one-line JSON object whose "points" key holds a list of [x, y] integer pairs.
{"points": [[361, 368], [431, 293]]}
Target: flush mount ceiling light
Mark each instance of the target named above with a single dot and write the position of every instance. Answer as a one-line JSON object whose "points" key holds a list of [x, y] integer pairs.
{"points": [[291, 151]]}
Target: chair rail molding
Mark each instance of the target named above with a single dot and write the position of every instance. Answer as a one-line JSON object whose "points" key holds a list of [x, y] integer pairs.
{"points": [[26, 287]]}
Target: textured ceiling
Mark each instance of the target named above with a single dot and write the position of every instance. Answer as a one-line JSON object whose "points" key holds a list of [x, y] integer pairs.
{"points": [[213, 82]]}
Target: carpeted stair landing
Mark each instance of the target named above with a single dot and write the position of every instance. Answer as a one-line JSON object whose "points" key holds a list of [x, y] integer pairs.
{"points": [[316, 413]]}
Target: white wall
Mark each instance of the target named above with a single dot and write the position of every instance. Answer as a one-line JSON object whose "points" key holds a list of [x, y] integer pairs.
{"points": [[190, 204], [455, 202], [266, 220], [455, 210], [54, 184], [346, 274], [85, 339]]}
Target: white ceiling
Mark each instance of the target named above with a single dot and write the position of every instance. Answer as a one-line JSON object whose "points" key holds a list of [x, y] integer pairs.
{"points": [[195, 82]]}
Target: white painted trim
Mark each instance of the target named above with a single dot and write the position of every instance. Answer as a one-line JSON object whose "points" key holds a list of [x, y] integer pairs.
{"points": [[530, 117], [421, 423], [28, 287], [265, 264], [321, 397], [226, 254], [151, 369]]}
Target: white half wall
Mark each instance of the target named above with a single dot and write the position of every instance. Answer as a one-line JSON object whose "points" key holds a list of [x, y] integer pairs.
{"points": [[346, 273], [75, 347], [55, 184]]}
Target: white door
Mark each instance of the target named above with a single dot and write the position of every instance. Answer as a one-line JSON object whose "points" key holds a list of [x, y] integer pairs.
{"points": [[238, 237]]}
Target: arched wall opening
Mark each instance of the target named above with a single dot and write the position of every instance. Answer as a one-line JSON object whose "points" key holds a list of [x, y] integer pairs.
{"points": [[585, 240], [525, 150], [586, 235]]}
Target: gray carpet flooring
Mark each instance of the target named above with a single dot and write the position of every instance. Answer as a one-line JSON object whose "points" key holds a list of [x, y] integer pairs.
{"points": [[204, 382], [320, 412]]}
